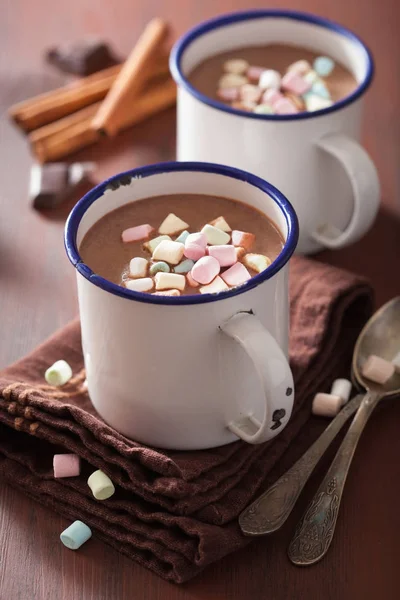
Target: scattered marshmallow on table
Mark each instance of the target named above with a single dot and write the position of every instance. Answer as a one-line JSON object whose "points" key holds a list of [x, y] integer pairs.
{"points": [[139, 285], [238, 66], [220, 223], [75, 535], [225, 254], [151, 245], [215, 236], [165, 281], [216, 286], [169, 251], [159, 267], [270, 79], [236, 275], [185, 266], [257, 262], [205, 269], [377, 369], [342, 388], [323, 65], [167, 293], [172, 225], [231, 80], [66, 465], [293, 82], [326, 405], [135, 234], [58, 374], [182, 237], [138, 267], [243, 239], [101, 485]]}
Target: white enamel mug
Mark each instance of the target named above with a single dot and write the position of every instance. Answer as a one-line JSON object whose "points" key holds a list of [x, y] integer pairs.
{"points": [[314, 158], [194, 371]]}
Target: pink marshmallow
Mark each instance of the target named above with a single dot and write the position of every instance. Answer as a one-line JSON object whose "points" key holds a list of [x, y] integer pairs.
{"points": [[236, 275], [197, 238], [66, 465], [194, 251], [250, 93], [285, 107], [253, 73], [293, 82], [271, 97], [134, 234], [228, 94], [243, 239], [205, 270], [225, 254]]}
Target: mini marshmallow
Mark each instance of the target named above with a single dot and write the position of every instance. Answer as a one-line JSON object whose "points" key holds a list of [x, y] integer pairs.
{"points": [[220, 223], [101, 485], [240, 252], [172, 225], [167, 293], [377, 369], [243, 239], [216, 286], [185, 266], [293, 82], [198, 238], [194, 251], [271, 97], [182, 237], [152, 244], [225, 254], [236, 275], [191, 281], [238, 66], [270, 79], [323, 66], [169, 251], [285, 107], [341, 388], [297, 101], [319, 88], [139, 285], [396, 362], [205, 269], [257, 262], [231, 80], [250, 93], [75, 535], [301, 67], [326, 405], [264, 109], [253, 73], [169, 281], [135, 234], [138, 267], [228, 94], [215, 236], [66, 465], [245, 106], [311, 77], [58, 374], [159, 267], [314, 102]]}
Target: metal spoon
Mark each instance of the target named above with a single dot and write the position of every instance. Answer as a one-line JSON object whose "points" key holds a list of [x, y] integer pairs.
{"points": [[314, 533]]}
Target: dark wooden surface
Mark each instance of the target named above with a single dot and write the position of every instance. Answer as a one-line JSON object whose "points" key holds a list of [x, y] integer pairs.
{"points": [[37, 295]]}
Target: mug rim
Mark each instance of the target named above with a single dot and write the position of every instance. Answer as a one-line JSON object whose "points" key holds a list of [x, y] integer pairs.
{"points": [[77, 213], [227, 19]]}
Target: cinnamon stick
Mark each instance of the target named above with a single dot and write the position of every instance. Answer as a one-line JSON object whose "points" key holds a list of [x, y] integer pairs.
{"points": [[50, 106], [130, 80], [74, 132]]}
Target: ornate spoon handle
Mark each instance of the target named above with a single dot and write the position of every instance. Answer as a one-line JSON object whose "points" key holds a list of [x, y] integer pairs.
{"points": [[315, 531], [271, 509]]}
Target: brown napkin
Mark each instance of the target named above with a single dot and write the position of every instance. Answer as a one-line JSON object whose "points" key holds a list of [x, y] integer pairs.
{"points": [[174, 512]]}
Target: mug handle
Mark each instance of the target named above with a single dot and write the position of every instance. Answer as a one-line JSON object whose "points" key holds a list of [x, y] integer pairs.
{"points": [[274, 373], [366, 191]]}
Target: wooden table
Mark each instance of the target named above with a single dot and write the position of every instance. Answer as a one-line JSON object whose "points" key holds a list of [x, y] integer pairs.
{"points": [[37, 295]]}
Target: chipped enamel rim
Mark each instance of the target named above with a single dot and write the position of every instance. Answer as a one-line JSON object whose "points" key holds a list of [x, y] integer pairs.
{"points": [[75, 217], [219, 22]]}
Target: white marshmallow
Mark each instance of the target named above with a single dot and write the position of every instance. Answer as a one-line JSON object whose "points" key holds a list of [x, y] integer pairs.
{"points": [[58, 374], [152, 244], [237, 66], [341, 388], [215, 236], [138, 267], [140, 285], [220, 223], [314, 102], [326, 405], [377, 369], [172, 225], [217, 285], [257, 262], [270, 79], [167, 293], [231, 80], [169, 281], [169, 251], [300, 66], [396, 362]]}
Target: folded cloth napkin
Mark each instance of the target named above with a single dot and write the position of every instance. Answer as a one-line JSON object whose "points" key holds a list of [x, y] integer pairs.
{"points": [[174, 512]]}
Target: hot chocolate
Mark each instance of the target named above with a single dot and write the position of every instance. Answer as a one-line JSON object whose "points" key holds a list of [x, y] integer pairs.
{"points": [[181, 244]]}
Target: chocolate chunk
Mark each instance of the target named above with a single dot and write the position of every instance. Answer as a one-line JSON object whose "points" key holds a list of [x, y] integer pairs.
{"points": [[82, 58], [53, 183]]}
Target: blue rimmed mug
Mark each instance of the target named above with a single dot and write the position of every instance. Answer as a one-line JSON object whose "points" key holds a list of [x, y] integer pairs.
{"points": [[314, 157], [194, 371]]}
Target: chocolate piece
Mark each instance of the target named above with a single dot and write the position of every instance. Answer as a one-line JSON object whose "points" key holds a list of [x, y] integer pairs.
{"points": [[82, 58], [52, 184]]}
